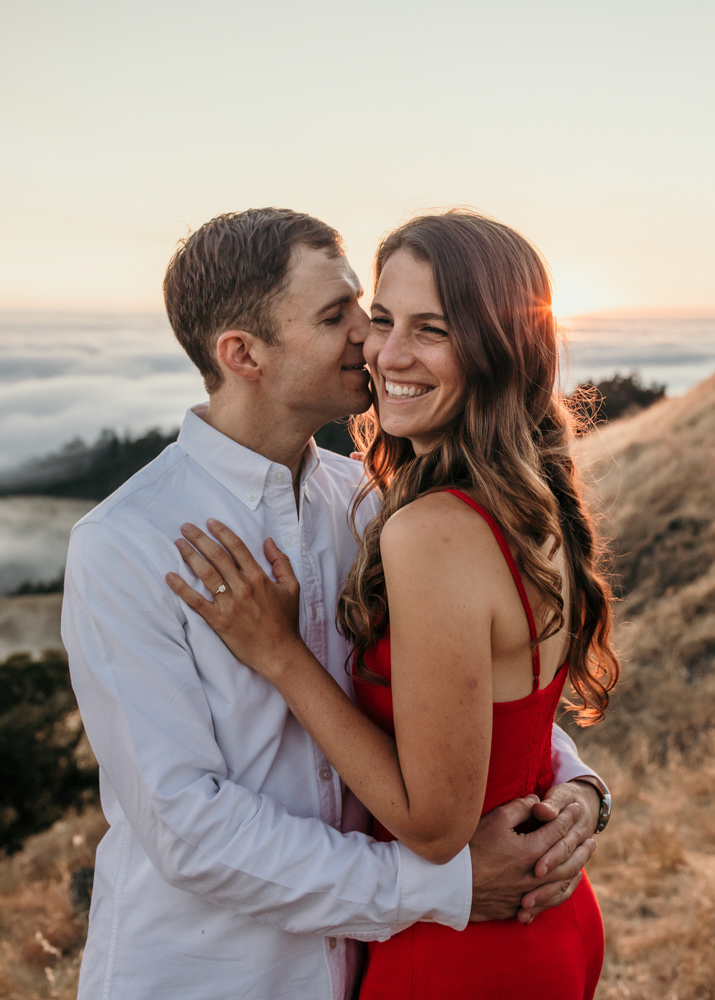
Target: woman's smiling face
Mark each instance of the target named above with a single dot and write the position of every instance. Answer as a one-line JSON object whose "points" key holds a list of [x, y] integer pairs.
{"points": [[419, 385]]}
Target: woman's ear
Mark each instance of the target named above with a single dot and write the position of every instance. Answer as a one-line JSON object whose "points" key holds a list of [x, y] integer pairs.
{"points": [[240, 353]]}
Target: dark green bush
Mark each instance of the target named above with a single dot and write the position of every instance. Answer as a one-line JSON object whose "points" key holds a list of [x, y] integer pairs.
{"points": [[55, 586], [597, 403], [335, 436], [40, 773]]}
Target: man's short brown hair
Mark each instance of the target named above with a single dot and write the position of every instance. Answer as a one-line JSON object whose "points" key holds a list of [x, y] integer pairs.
{"points": [[227, 274]]}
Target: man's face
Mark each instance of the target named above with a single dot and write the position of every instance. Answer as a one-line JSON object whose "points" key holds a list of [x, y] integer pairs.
{"points": [[316, 369]]}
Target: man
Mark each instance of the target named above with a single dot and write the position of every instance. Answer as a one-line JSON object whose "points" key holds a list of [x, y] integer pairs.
{"points": [[234, 865]]}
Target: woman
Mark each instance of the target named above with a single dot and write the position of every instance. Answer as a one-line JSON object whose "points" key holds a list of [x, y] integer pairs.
{"points": [[474, 596]]}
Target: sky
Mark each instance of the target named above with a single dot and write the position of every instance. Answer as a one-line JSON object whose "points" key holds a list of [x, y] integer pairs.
{"points": [[588, 127]]}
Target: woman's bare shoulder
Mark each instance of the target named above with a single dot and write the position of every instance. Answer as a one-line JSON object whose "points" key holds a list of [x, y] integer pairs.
{"points": [[436, 519]]}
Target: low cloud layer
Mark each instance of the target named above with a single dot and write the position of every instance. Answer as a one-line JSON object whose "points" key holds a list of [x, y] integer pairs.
{"points": [[72, 377], [34, 532], [677, 352]]}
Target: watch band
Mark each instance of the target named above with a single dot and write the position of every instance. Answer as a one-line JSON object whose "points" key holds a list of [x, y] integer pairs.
{"points": [[604, 813]]}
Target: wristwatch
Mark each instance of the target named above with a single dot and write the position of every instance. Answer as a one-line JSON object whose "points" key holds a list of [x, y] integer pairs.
{"points": [[604, 813]]}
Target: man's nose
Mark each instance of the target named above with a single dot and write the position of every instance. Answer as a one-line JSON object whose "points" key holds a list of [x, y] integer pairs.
{"points": [[360, 327]]}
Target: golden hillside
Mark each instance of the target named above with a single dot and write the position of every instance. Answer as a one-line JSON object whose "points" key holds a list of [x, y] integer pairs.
{"points": [[653, 477]]}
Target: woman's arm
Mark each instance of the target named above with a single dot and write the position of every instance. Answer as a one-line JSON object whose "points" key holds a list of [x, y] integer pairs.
{"points": [[427, 785]]}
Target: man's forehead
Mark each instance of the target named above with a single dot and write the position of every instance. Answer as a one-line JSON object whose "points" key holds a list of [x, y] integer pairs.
{"points": [[346, 274], [319, 274]]}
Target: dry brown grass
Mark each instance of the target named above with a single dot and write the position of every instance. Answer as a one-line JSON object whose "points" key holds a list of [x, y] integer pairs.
{"points": [[41, 935], [654, 874], [654, 871]]}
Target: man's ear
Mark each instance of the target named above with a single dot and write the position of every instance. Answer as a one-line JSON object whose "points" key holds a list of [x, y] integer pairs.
{"points": [[240, 352]]}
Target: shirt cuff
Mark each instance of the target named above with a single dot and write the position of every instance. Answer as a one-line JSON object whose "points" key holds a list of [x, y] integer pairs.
{"points": [[439, 893], [567, 765]]}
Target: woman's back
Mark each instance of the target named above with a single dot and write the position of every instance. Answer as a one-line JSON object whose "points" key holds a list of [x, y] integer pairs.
{"points": [[520, 758]]}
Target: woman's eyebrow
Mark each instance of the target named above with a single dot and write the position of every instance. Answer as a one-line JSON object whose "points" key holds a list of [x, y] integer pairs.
{"points": [[438, 316], [420, 316]]}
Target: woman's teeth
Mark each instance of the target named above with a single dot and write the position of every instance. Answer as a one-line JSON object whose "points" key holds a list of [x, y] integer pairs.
{"points": [[399, 391]]}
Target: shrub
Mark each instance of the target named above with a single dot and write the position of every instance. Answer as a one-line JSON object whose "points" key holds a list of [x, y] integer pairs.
{"points": [[40, 773], [613, 398], [335, 436]]}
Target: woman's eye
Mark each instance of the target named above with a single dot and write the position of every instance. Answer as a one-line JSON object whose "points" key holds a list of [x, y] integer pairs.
{"points": [[436, 330], [379, 321]]}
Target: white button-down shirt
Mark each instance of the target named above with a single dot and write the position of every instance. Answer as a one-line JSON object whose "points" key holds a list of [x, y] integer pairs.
{"points": [[232, 867]]}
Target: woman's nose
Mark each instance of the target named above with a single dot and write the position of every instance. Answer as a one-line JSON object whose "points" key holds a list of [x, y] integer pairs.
{"points": [[395, 351]]}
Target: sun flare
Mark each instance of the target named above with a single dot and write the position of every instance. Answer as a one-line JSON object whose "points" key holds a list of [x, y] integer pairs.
{"points": [[577, 292]]}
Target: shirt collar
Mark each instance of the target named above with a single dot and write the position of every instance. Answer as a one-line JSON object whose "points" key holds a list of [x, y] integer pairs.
{"points": [[242, 471]]}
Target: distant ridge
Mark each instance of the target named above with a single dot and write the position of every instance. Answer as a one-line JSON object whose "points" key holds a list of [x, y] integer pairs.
{"points": [[84, 471], [92, 472]]}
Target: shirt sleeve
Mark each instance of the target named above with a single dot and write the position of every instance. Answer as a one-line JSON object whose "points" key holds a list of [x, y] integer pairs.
{"points": [[146, 715], [565, 760]]}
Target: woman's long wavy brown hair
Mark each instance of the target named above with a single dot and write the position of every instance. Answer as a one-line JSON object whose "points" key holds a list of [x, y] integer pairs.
{"points": [[510, 447]]}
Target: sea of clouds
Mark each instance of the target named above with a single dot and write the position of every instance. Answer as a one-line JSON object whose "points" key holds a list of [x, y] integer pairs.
{"points": [[34, 532], [674, 351], [70, 376]]}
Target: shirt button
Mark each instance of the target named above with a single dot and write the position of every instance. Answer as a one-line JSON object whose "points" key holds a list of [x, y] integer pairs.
{"points": [[325, 773], [332, 942], [251, 496], [314, 612], [289, 541], [280, 476]]}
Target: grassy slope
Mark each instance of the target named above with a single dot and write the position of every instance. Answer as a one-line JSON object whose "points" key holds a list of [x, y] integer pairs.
{"points": [[653, 476], [655, 867]]}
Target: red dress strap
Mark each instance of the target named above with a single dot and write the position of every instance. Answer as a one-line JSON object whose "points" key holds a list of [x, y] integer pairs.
{"points": [[506, 551]]}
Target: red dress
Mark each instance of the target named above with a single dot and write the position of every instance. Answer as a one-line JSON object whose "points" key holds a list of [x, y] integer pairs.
{"points": [[559, 955]]}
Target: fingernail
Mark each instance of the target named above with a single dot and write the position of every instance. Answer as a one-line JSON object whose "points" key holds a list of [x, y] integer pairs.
{"points": [[212, 522]]}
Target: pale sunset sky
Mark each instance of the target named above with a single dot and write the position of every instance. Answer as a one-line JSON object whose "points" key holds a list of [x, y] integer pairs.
{"points": [[589, 127]]}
